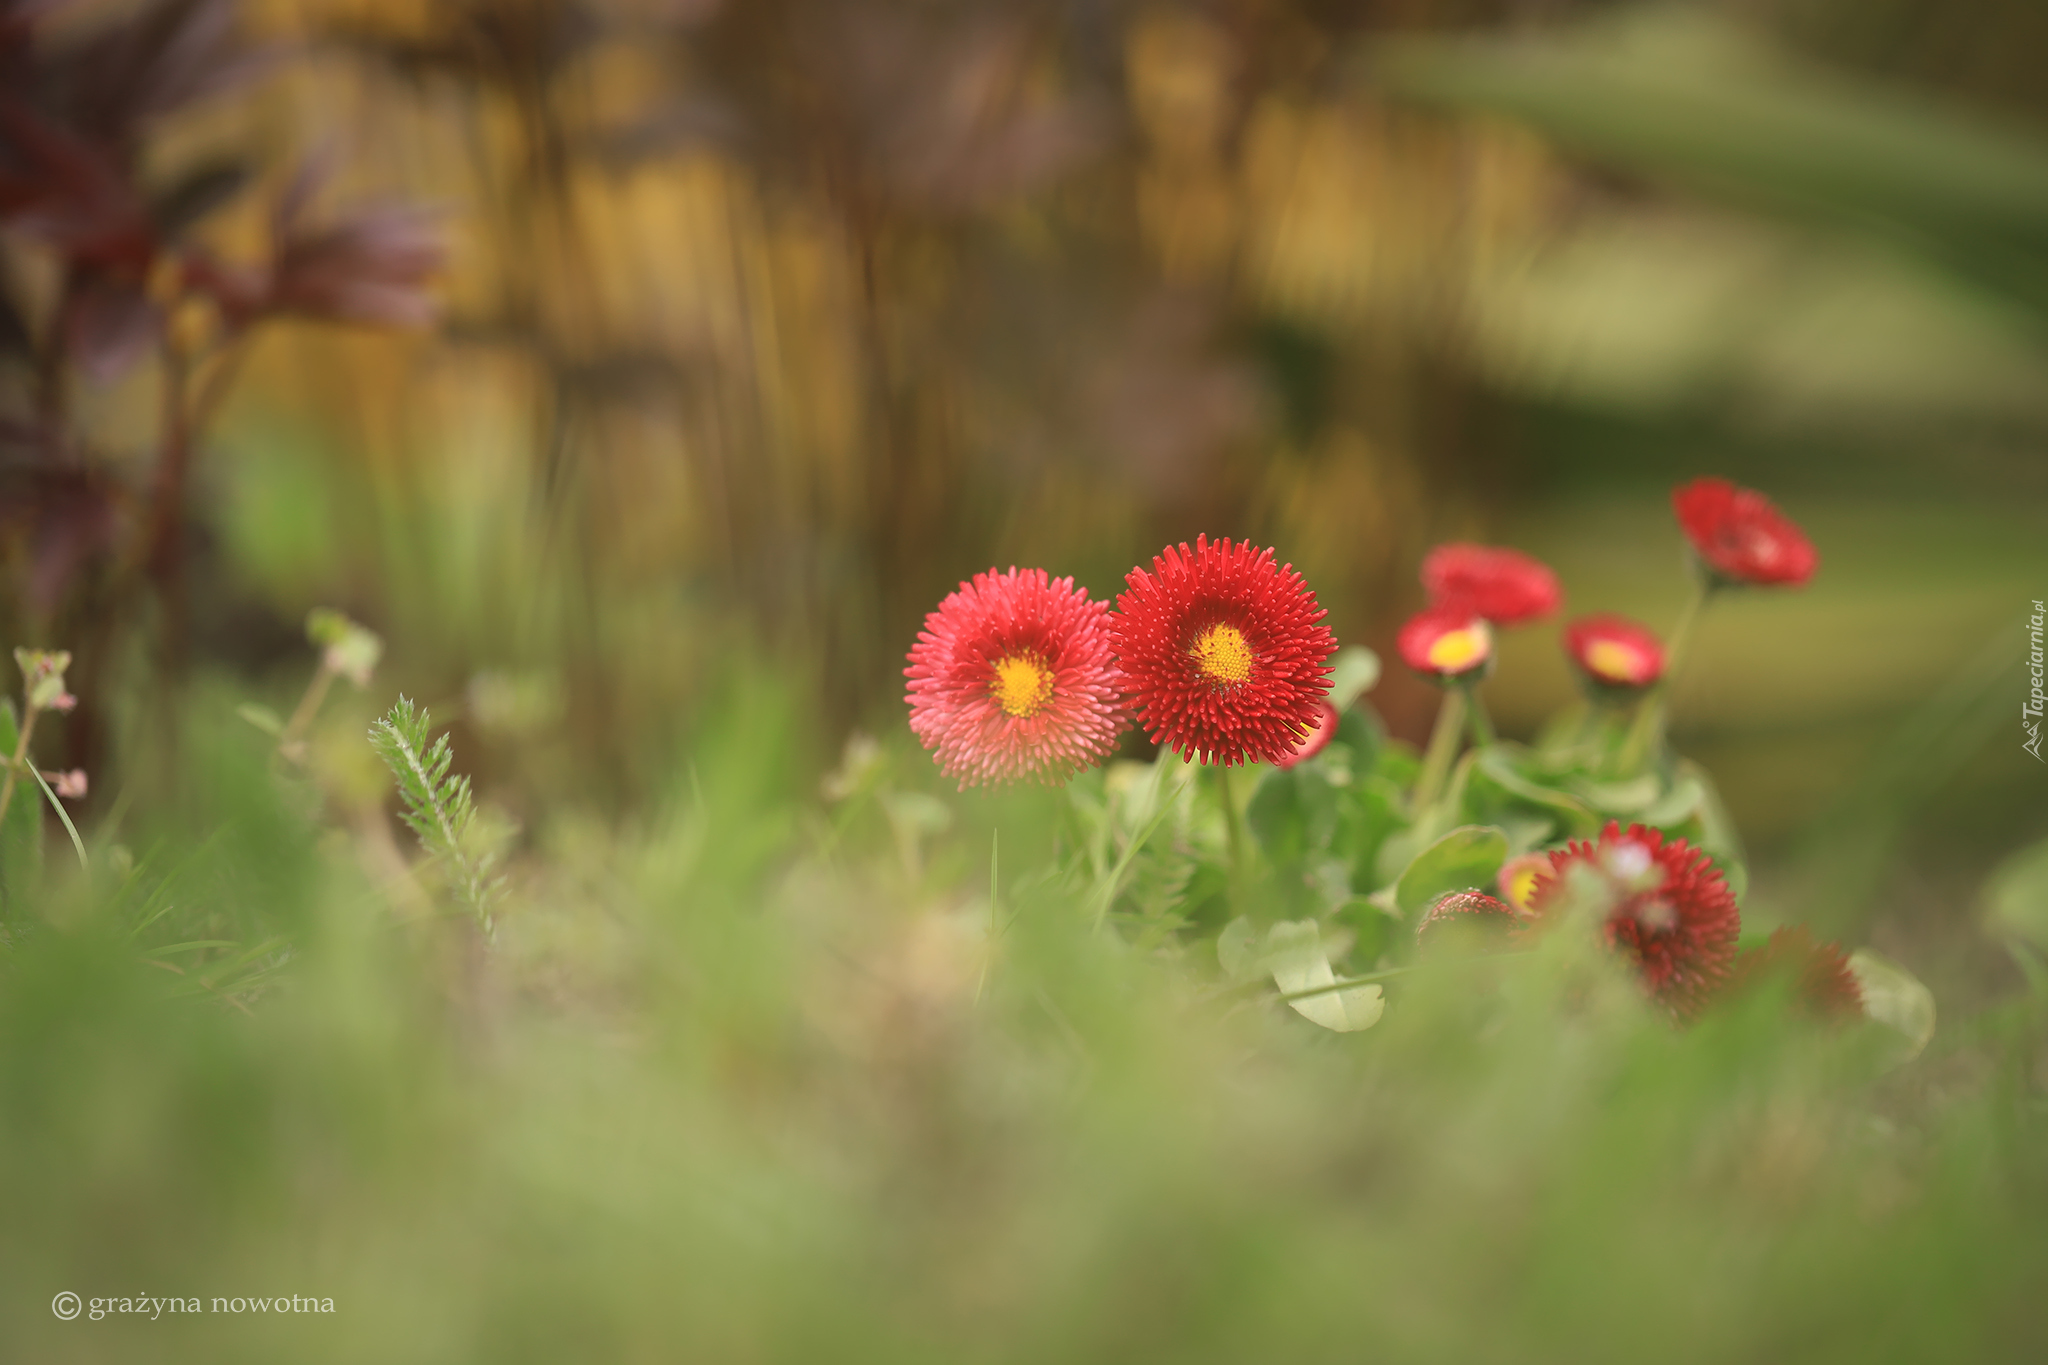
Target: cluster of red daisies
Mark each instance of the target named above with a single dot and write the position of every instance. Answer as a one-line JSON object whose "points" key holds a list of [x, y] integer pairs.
{"points": [[1217, 651], [1670, 913], [1737, 535], [1220, 655]]}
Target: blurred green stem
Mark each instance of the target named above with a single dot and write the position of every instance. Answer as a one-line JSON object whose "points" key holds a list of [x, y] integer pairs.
{"points": [[1482, 724], [1648, 731], [1107, 886], [1443, 748], [20, 758], [291, 743], [995, 845]]}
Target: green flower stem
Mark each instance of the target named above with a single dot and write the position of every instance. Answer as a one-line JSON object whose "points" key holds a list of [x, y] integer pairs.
{"points": [[1233, 823], [1443, 747], [1648, 729], [1482, 724], [20, 758], [291, 742]]}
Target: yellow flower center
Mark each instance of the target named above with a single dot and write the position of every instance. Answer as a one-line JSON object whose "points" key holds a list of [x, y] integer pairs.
{"points": [[1023, 685], [1223, 655], [1521, 885], [1614, 661], [1454, 651]]}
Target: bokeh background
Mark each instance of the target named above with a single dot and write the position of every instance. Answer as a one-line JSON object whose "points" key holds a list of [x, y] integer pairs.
{"points": [[755, 325], [761, 325]]}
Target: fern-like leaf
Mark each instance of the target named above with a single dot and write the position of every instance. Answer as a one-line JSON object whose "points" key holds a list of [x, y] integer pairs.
{"points": [[436, 803]]}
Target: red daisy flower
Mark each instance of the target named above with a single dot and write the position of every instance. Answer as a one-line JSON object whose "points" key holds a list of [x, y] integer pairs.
{"points": [[1467, 910], [1313, 743], [1822, 985], [1505, 586], [1673, 915], [1615, 651], [1012, 677], [1741, 537], [1223, 652], [1446, 642]]}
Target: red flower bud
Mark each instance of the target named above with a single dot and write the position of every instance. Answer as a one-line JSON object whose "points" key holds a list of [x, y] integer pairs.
{"points": [[1505, 586], [1741, 537]]}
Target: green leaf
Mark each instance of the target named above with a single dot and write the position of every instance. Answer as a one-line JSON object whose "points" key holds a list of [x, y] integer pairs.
{"points": [[1373, 928], [1465, 859], [1502, 784], [1526, 834], [1399, 762], [1293, 814], [1353, 673], [1362, 730], [1276, 818], [1896, 999], [1294, 954], [1369, 813], [1237, 949], [1678, 805], [77, 844], [1620, 798]]}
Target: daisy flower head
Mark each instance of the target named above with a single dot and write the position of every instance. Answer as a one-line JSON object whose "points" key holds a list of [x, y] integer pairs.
{"points": [[1517, 879], [1615, 652], [1823, 987], [1672, 914], [1505, 586], [1471, 915], [1741, 537], [1316, 740], [1012, 678], [1222, 652], [1446, 642]]}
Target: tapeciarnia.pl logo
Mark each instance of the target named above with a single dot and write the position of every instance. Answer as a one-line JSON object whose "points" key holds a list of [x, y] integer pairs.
{"points": [[2030, 709]]}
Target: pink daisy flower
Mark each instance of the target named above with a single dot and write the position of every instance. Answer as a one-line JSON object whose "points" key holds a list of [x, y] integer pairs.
{"points": [[1012, 678]]}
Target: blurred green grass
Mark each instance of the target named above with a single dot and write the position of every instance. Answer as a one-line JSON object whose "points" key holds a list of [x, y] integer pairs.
{"points": [[729, 1088]]}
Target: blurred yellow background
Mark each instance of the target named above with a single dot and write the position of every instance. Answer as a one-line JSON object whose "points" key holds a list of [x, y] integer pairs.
{"points": [[764, 324]]}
